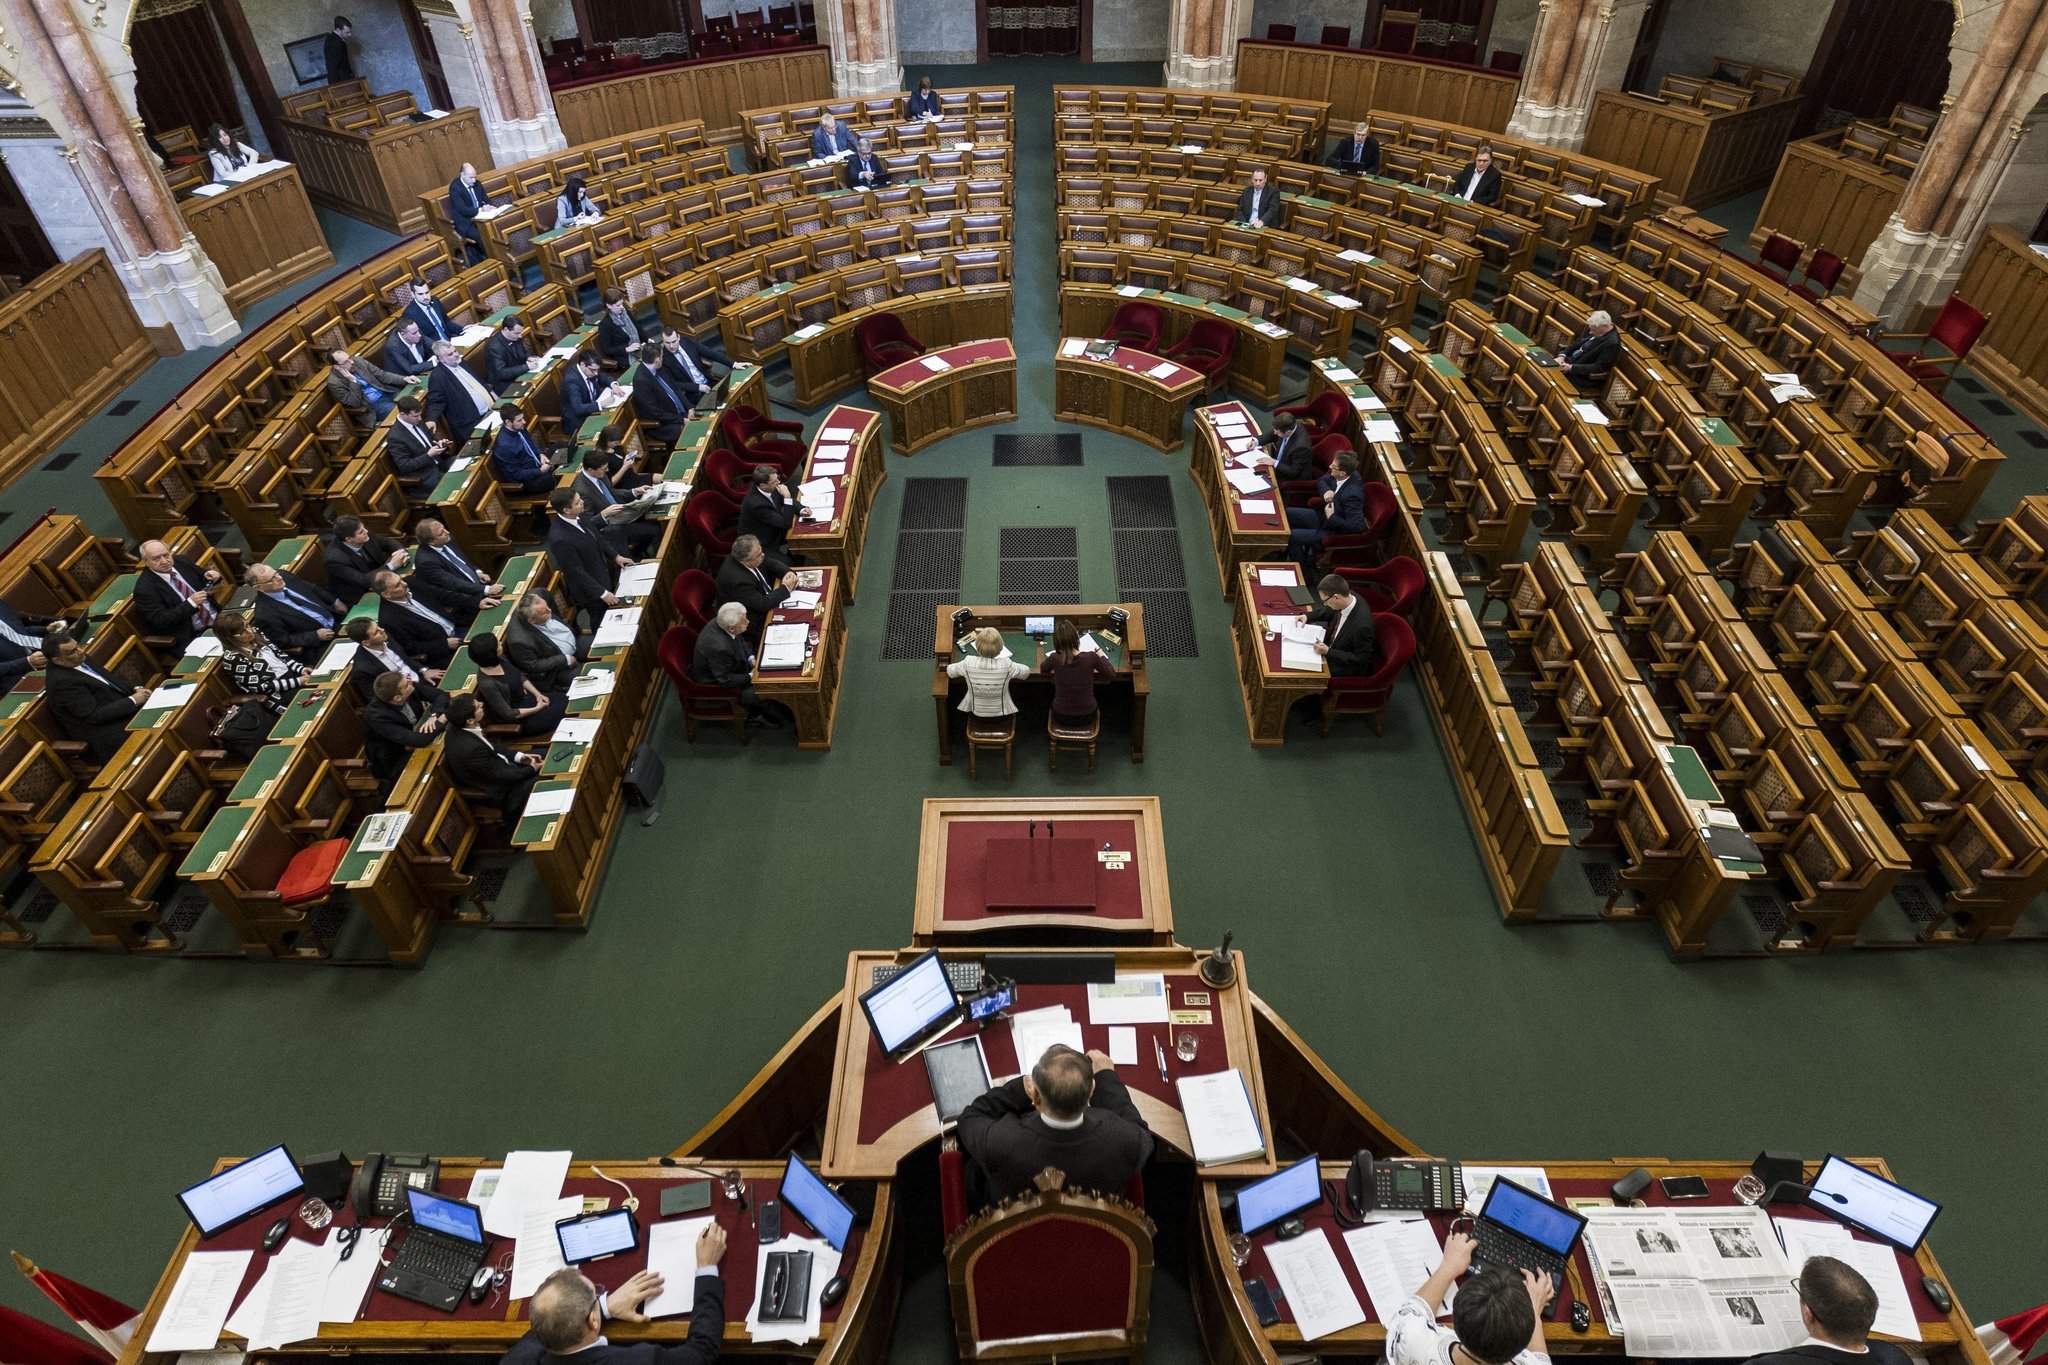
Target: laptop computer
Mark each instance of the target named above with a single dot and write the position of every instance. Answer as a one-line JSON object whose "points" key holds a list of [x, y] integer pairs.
{"points": [[713, 398], [911, 1006], [440, 1254], [1522, 1230]]}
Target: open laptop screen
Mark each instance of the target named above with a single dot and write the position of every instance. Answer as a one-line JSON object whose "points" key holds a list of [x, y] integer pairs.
{"points": [[1536, 1218], [451, 1217], [245, 1188], [909, 1002], [812, 1198]]}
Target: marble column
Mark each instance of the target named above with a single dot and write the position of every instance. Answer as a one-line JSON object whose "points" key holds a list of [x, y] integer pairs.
{"points": [[1922, 251], [1579, 47], [862, 36], [1202, 40], [490, 59]]}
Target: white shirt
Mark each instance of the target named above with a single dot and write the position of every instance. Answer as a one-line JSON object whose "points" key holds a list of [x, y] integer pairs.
{"points": [[421, 609], [1862, 1350], [392, 663], [1415, 1338], [560, 635], [1337, 626], [1471, 183]]}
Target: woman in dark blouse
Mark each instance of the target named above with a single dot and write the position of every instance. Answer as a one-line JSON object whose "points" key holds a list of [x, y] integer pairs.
{"points": [[253, 665], [509, 697], [1073, 672]]}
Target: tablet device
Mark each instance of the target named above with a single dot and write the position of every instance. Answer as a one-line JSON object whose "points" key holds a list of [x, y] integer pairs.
{"points": [[959, 1076], [1870, 1203], [242, 1190], [910, 1006], [816, 1203], [1270, 1199], [594, 1236]]}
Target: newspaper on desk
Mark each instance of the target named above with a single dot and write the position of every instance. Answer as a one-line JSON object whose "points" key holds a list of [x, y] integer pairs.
{"points": [[1693, 1282]]}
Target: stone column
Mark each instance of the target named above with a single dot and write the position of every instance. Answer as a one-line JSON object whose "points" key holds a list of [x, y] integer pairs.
{"points": [[1202, 42], [490, 59], [1579, 47], [862, 36], [1916, 260]]}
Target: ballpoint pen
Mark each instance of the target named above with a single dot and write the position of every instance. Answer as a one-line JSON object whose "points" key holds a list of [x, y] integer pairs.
{"points": [[1159, 1053]]}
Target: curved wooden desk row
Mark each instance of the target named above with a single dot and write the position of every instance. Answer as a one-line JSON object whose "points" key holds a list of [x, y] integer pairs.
{"points": [[1259, 349], [1506, 242], [67, 341], [1311, 117], [761, 126], [714, 91], [1385, 293], [260, 233], [512, 234], [1702, 155], [825, 358], [899, 139], [1628, 193], [379, 174], [1357, 82], [2011, 550], [525, 179], [1565, 218], [755, 328], [1129, 391], [1272, 141], [947, 390]]}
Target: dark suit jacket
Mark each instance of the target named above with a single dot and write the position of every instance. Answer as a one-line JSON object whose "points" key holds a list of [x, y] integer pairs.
{"points": [[1354, 653], [1881, 1353], [536, 656], [658, 409], [504, 361], [722, 660], [1591, 357], [391, 732], [924, 102], [584, 563], [679, 379], [839, 141], [579, 400], [1011, 1144], [1271, 211], [406, 447], [707, 1329], [474, 762], [1488, 189], [364, 668], [450, 404], [1295, 458], [1363, 161], [88, 710], [767, 517], [446, 585], [349, 569], [163, 611], [463, 209], [420, 638], [874, 164], [1347, 514], [736, 583], [13, 657], [399, 360], [339, 67], [290, 629], [514, 460], [435, 324], [613, 343]]}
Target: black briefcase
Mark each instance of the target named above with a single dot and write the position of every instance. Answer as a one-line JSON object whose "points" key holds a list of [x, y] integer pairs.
{"points": [[644, 774]]}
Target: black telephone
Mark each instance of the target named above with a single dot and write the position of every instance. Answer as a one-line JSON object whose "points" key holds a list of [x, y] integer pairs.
{"points": [[378, 1190], [1424, 1186]]}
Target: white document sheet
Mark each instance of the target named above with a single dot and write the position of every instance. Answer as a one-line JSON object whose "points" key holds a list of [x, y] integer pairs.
{"points": [[805, 333], [831, 447], [203, 647], [381, 833], [1033, 1031], [1341, 300], [1245, 481], [169, 695], [1313, 1283], [1218, 1110], [1479, 1180], [1129, 291], [538, 1253], [349, 1282], [1341, 374], [828, 469], [1383, 429], [336, 658], [1361, 257], [1133, 998], [816, 490], [1074, 346], [1165, 369], [803, 599], [577, 730], [824, 1265], [1279, 578], [1123, 1045], [935, 363], [1088, 645], [1256, 507], [1368, 402], [528, 1179], [298, 1290], [199, 1302], [620, 626], [1296, 282], [637, 580], [597, 683], [1588, 200], [1393, 1260], [1302, 658], [1876, 1262], [672, 1254], [1589, 412]]}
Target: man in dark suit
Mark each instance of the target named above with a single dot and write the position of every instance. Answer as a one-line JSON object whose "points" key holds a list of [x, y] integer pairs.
{"points": [[465, 196], [830, 138], [569, 1313], [362, 390], [377, 654], [414, 450], [430, 317], [408, 352], [174, 596], [1071, 1113], [768, 511], [1359, 154], [340, 67], [588, 567], [1480, 180], [864, 170], [1341, 510], [1259, 204], [353, 554], [394, 724], [924, 101], [1593, 352], [448, 582], [582, 383], [456, 399], [506, 357], [504, 777], [753, 580], [1348, 646], [686, 362], [725, 658], [21, 646], [1289, 448], [293, 614], [1838, 1307], [424, 633], [91, 705], [540, 645], [516, 460], [610, 499], [660, 408]]}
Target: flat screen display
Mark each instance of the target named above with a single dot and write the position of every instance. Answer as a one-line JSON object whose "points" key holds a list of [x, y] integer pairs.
{"points": [[909, 1002], [1038, 625], [815, 1202], [1273, 1198], [1536, 1218], [598, 1234], [450, 1217], [241, 1190], [1873, 1204]]}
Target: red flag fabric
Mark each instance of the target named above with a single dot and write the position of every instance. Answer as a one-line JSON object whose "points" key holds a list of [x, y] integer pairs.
{"points": [[2010, 1340], [27, 1341], [107, 1321]]}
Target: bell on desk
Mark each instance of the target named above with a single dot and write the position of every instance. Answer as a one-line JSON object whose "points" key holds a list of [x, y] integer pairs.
{"points": [[1217, 969]]}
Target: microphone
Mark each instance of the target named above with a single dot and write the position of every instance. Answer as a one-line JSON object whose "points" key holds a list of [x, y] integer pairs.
{"points": [[1034, 830], [1791, 1192], [1049, 831]]}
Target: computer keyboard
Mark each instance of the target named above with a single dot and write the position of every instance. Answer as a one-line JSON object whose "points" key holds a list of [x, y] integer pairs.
{"points": [[1503, 1247], [965, 977], [437, 1258]]}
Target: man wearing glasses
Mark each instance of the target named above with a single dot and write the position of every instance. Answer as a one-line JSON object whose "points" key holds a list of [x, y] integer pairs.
{"points": [[1837, 1305]]}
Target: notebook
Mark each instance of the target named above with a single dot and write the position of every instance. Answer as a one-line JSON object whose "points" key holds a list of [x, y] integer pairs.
{"points": [[1222, 1126]]}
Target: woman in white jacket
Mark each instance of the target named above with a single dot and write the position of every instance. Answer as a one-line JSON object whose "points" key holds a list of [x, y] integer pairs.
{"points": [[988, 676], [226, 155]]}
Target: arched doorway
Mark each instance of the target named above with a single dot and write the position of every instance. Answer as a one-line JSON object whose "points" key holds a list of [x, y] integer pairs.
{"points": [[1875, 54]]}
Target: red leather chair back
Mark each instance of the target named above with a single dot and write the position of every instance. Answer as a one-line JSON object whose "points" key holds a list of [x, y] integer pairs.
{"points": [[1382, 506], [881, 330], [693, 593], [1781, 252], [677, 648], [1396, 641], [1958, 325], [1141, 321], [713, 520], [1336, 35], [1391, 587], [1327, 410], [1327, 449], [1825, 268], [1279, 33], [723, 470], [1081, 1275]]}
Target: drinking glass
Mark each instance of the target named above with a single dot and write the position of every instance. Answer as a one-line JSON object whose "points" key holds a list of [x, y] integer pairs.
{"points": [[1185, 1046]]}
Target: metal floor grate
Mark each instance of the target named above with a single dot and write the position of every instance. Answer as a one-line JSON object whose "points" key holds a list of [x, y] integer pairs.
{"points": [[1603, 878], [1920, 906], [1169, 624], [1769, 911], [1140, 500], [907, 634], [1039, 542], [1032, 599], [928, 561], [1060, 448], [1040, 580], [1148, 560], [934, 505]]}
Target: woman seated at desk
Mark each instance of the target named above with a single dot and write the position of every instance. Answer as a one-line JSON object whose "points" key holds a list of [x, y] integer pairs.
{"points": [[509, 696], [573, 205], [253, 664], [228, 158], [988, 676], [1073, 671]]}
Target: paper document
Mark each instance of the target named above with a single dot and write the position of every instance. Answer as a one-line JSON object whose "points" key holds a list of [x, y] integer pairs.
{"points": [[1786, 393], [1393, 1260], [1074, 346], [209, 190], [1693, 1282], [1300, 657], [1123, 1045], [199, 1302], [298, 1291], [1399, 342], [824, 1265], [336, 658], [169, 695], [1589, 412], [1191, 146], [381, 833], [1279, 578], [203, 647], [802, 599], [1874, 1261], [1341, 300], [1165, 369], [472, 334], [1295, 629], [348, 1282], [598, 682], [619, 627], [1588, 200], [611, 398], [1313, 1283], [805, 333], [1271, 329], [1256, 507], [1088, 645], [815, 490], [539, 1253], [1138, 998], [577, 730], [1033, 1031], [1221, 1125], [1298, 283], [828, 469], [672, 1254], [783, 646], [1245, 481], [673, 491], [1361, 257], [934, 363], [1379, 429], [1340, 374], [830, 450], [1129, 291], [1479, 1181], [637, 580], [528, 1179]]}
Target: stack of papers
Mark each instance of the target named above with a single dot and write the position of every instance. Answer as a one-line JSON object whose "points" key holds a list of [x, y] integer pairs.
{"points": [[381, 833], [1368, 402], [1588, 200], [802, 599], [672, 491], [1246, 481], [598, 682], [1786, 393], [1361, 257], [473, 334], [1129, 291], [805, 333], [1279, 578], [783, 646], [1314, 1286], [1589, 412], [202, 646], [1340, 374], [1874, 1261], [1073, 347], [816, 490], [1300, 657], [1393, 1260], [1271, 329], [554, 801], [1256, 507], [169, 695], [1294, 628], [577, 730], [527, 1179], [1693, 1282], [1033, 1031], [197, 1310], [1221, 1124], [637, 580], [1165, 369], [538, 1253], [934, 363], [612, 396], [620, 627], [1341, 300], [1382, 429], [1297, 282], [285, 1305], [336, 658]]}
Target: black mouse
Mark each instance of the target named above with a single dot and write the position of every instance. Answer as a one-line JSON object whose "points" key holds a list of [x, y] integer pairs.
{"points": [[1937, 1293], [833, 1292], [274, 1235], [1582, 1316], [480, 1283]]}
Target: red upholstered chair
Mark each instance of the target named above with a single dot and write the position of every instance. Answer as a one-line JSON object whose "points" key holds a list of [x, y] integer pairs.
{"points": [[1052, 1274], [885, 341], [713, 519], [1780, 256], [701, 701], [1392, 588], [1824, 270], [1956, 327], [695, 594], [724, 469], [309, 877], [1324, 413], [1136, 323], [1279, 33], [1336, 35], [759, 439], [1382, 511], [1368, 696], [1207, 347]]}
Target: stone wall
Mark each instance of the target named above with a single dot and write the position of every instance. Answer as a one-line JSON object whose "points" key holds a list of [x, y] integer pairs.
{"points": [[1514, 23], [383, 54], [935, 32], [1773, 32], [1308, 17], [1131, 30]]}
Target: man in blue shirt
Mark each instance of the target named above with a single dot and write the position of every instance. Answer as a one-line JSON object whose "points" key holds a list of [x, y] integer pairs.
{"points": [[515, 459]]}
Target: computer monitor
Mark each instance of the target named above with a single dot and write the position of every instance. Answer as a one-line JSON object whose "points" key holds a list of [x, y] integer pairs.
{"points": [[903, 1009], [449, 1217], [594, 1236], [1872, 1204], [1548, 1225], [241, 1191], [816, 1204], [1038, 625], [1277, 1195]]}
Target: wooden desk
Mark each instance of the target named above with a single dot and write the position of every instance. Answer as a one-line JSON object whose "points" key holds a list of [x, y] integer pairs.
{"points": [[1238, 537], [838, 540], [825, 357], [948, 390], [1683, 219], [261, 233], [1128, 656], [1132, 906], [812, 691], [1085, 311], [1701, 156], [881, 1111], [1232, 1331], [1132, 392], [379, 174], [1270, 689], [387, 1324]]}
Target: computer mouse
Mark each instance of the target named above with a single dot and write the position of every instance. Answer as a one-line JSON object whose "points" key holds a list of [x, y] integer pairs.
{"points": [[274, 1235], [1937, 1293], [1582, 1316], [480, 1283], [833, 1292]]}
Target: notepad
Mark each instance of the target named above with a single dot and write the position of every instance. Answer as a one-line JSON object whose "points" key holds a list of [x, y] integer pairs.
{"points": [[1278, 578], [1245, 481], [577, 730], [554, 801], [596, 683], [1129, 291], [1165, 369], [934, 363], [1072, 347], [621, 625], [1221, 1124], [1589, 412], [1382, 429], [1256, 507]]}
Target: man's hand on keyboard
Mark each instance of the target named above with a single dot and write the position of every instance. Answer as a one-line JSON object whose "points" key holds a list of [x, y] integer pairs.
{"points": [[1541, 1292], [1458, 1249]]}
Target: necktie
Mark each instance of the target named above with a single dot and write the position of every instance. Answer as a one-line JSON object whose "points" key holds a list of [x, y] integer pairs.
{"points": [[448, 553], [669, 391], [447, 627], [528, 443], [28, 642], [434, 321], [690, 367], [92, 671], [758, 577], [202, 615], [604, 487], [309, 609]]}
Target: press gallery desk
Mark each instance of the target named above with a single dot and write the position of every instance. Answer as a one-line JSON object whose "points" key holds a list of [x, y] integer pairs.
{"points": [[1127, 656], [386, 1324], [1132, 392], [881, 1111], [1231, 1329], [948, 390]]}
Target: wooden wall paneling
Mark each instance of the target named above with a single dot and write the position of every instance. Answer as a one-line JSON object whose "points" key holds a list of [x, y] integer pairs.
{"points": [[1828, 201], [67, 342], [1358, 82], [379, 175], [1701, 157], [181, 78], [2009, 280], [262, 234], [712, 91]]}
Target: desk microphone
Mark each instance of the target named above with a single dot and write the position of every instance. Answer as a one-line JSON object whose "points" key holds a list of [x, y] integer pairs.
{"points": [[1034, 830], [1049, 832], [1791, 1192]]}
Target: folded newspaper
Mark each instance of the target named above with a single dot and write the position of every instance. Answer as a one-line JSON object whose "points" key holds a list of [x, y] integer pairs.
{"points": [[1693, 1282]]}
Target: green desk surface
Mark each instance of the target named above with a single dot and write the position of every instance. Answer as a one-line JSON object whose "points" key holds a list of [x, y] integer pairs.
{"points": [[492, 620], [157, 717], [1446, 366], [190, 666], [564, 760], [461, 672], [1693, 781], [356, 865], [302, 710], [535, 829], [366, 609], [217, 840], [520, 568], [261, 772], [288, 552], [1718, 432], [694, 432], [458, 476], [20, 695], [1224, 310], [119, 589], [1513, 333], [583, 706]]}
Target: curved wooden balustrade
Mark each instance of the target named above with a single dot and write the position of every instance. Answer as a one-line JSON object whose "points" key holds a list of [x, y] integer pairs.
{"points": [[1826, 199], [825, 358], [714, 91], [378, 174], [1277, 141], [1357, 82], [1309, 117], [761, 126], [67, 341]]}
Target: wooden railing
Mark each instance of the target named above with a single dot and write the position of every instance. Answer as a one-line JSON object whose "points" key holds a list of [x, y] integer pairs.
{"points": [[1701, 156], [1361, 83], [713, 91], [1827, 200], [261, 234], [66, 342], [379, 175], [2009, 280]]}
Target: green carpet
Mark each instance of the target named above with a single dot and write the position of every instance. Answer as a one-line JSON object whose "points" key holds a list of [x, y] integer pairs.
{"points": [[1345, 868]]}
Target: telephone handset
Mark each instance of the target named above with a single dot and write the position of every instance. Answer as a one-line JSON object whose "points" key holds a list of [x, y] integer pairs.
{"points": [[378, 1189], [1424, 1186]]}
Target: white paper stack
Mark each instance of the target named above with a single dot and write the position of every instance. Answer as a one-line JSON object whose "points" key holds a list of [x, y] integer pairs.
{"points": [[1588, 200], [1221, 1124], [598, 682], [1033, 1031], [672, 1254], [1272, 329], [619, 628], [1073, 347], [1133, 998], [802, 599], [1589, 412], [806, 333], [783, 646], [613, 395], [1341, 300], [1361, 257], [637, 580], [1340, 374], [1368, 402], [203, 646], [1256, 507], [577, 730], [1165, 369], [1393, 1258], [1876, 1262], [1312, 1281], [1299, 657], [824, 1265], [1129, 291], [1382, 429], [1245, 481], [473, 334], [169, 695], [1399, 342], [934, 363], [1088, 645], [554, 801], [816, 490], [336, 658], [1298, 283], [538, 1253]]}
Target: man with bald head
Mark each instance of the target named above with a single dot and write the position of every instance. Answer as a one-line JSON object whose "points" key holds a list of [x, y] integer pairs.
{"points": [[293, 614], [569, 1312], [173, 595]]}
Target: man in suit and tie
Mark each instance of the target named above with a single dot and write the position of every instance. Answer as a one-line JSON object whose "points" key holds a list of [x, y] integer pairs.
{"points": [[448, 582], [611, 496], [1259, 205], [465, 196], [394, 724], [414, 450], [377, 654], [830, 138], [340, 66], [541, 645], [293, 614], [1592, 355], [21, 646], [504, 776], [582, 384], [1359, 154], [354, 554], [725, 658], [569, 1313], [516, 460], [866, 171], [656, 402], [92, 706], [456, 399], [506, 359], [424, 634], [408, 353], [431, 318], [174, 596], [1340, 510], [589, 569], [1290, 449], [1071, 1113], [1479, 182], [686, 363], [768, 511], [364, 391], [753, 580], [1348, 645]]}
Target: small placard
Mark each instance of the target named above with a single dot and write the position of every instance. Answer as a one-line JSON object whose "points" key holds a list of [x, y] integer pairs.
{"points": [[1194, 997], [1112, 856], [1177, 1017]]}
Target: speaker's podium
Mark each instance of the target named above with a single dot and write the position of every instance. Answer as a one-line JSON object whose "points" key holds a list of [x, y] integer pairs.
{"points": [[1042, 871]]}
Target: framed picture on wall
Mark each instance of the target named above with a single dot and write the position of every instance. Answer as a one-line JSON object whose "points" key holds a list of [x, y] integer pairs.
{"points": [[308, 57]]}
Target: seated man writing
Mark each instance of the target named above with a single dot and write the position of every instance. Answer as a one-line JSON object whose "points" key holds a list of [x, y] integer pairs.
{"points": [[569, 1314], [1071, 1113]]}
